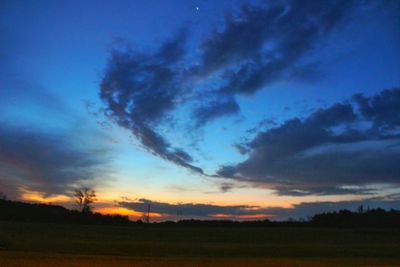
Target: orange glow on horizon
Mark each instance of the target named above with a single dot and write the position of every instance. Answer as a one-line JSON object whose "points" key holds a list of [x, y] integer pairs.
{"points": [[39, 197], [247, 216], [126, 212], [252, 197]]}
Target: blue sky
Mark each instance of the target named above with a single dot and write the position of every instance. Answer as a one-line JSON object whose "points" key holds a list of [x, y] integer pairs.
{"points": [[209, 102]]}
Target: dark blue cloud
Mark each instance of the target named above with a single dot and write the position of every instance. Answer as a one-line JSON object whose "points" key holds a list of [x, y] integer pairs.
{"points": [[261, 45], [301, 210], [253, 48], [219, 105], [280, 41], [51, 163], [382, 109], [347, 144], [140, 90], [189, 209]]}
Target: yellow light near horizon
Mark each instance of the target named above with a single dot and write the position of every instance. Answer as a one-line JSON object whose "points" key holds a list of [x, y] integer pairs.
{"points": [[249, 216], [125, 212], [34, 196]]}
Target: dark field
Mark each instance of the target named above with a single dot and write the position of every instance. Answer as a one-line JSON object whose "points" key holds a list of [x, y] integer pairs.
{"points": [[40, 244]]}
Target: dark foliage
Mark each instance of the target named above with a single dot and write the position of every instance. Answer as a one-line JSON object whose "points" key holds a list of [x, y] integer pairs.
{"points": [[370, 218], [373, 218], [20, 211]]}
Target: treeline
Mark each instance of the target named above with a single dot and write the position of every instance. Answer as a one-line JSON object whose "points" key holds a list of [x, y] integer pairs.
{"points": [[27, 212], [20, 211], [369, 218]]}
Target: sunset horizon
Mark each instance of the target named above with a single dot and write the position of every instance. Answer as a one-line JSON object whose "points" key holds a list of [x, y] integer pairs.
{"points": [[209, 110]]}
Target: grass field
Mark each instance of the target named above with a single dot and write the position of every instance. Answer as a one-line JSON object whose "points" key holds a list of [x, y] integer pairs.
{"points": [[39, 244]]}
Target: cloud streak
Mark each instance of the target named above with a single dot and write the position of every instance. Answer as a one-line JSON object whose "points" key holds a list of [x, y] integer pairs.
{"points": [[211, 211], [191, 210]]}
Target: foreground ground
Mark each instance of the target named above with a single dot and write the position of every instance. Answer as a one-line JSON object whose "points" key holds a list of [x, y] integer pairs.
{"points": [[36, 244]]}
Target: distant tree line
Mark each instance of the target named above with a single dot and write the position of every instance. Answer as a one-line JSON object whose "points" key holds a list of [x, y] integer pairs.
{"points": [[364, 218], [374, 218], [20, 211]]}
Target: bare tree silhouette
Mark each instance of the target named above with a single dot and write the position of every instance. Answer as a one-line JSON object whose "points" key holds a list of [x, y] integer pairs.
{"points": [[84, 197]]}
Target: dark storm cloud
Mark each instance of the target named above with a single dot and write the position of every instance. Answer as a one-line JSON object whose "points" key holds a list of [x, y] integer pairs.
{"points": [[266, 44], [220, 105], [301, 210], [139, 91], [279, 41], [46, 162], [383, 109], [261, 45], [355, 143]]}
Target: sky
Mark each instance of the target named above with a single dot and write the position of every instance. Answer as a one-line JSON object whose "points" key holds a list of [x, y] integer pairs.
{"points": [[204, 109]]}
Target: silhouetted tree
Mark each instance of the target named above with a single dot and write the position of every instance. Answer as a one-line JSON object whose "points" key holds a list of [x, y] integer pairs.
{"points": [[84, 198]]}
